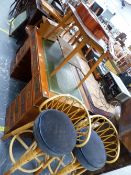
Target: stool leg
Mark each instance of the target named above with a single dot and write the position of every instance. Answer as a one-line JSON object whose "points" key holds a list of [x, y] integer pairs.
{"points": [[45, 165], [69, 168], [25, 158]]}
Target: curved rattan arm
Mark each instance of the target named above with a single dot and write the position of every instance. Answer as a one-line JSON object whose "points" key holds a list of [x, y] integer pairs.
{"points": [[76, 111], [109, 135]]}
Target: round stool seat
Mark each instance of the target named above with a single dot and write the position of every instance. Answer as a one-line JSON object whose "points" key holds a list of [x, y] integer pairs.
{"points": [[93, 155], [54, 132]]}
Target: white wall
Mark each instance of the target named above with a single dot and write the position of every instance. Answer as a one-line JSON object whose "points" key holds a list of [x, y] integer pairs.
{"points": [[122, 19]]}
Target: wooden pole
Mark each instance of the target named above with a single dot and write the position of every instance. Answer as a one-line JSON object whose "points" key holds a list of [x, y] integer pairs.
{"points": [[68, 57], [104, 55]]}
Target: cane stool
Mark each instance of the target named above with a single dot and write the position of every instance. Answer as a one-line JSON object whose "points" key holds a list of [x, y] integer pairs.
{"points": [[54, 135], [75, 110], [109, 135], [67, 116], [90, 157]]}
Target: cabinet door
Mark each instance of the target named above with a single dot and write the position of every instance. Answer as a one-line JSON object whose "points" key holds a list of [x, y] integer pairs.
{"points": [[13, 119], [34, 55], [29, 97], [7, 121], [37, 89], [23, 102], [17, 108], [22, 51]]}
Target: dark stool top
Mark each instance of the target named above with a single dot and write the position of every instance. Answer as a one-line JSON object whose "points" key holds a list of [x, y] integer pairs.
{"points": [[54, 132], [93, 155]]}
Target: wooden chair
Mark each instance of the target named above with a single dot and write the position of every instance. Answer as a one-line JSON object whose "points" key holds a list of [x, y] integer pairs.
{"points": [[64, 104], [82, 37]]}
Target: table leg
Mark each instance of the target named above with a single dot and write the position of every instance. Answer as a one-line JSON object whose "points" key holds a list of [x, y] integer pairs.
{"points": [[74, 37], [66, 31], [88, 50], [68, 58], [92, 69]]}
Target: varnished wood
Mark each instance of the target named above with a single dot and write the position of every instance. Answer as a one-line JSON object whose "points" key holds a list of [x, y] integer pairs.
{"points": [[51, 11], [42, 65]]}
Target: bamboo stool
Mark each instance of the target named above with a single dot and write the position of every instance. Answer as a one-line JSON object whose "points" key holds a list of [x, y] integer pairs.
{"points": [[108, 134], [43, 159], [74, 109], [86, 157], [52, 129]]}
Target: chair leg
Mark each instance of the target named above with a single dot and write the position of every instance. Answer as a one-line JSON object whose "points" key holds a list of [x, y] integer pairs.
{"points": [[77, 49]]}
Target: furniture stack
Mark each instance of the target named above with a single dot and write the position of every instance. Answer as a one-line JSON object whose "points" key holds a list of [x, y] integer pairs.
{"points": [[63, 128]]}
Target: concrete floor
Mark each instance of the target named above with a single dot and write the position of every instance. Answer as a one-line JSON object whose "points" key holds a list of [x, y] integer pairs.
{"points": [[9, 88]]}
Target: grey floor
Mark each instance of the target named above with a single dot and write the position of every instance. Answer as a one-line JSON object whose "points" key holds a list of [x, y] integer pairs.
{"points": [[9, 88]]}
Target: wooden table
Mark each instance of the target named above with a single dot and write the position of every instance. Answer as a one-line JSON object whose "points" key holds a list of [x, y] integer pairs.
{"points": [[33, 63], [88, 38]]}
